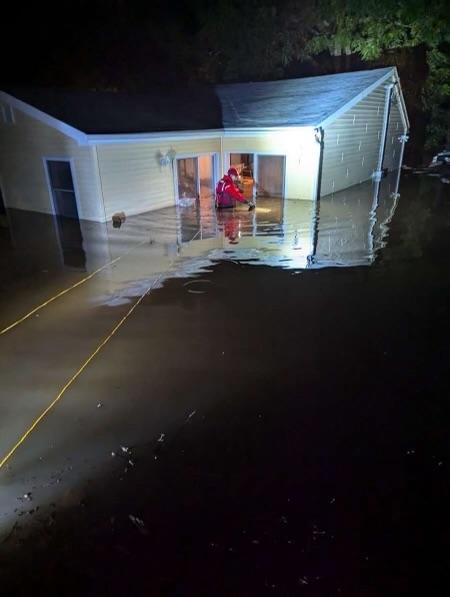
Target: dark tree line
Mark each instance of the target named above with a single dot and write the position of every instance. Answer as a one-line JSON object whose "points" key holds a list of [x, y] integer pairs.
{"points": [[133, 45]]}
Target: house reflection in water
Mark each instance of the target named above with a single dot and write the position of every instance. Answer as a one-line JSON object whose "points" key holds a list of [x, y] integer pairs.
{"points": [[345, 229]]}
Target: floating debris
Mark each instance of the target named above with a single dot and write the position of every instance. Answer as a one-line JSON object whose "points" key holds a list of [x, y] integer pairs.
{"points": [[317, 531], [99, 405], [125, 449], [191, 415], [161, 437], [28, 496], [303, 580], [138, 523]]}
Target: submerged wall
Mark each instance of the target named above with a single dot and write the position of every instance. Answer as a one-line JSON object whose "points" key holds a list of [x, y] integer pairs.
{"points": [[23, 146], [132, 178], [296, 144]]}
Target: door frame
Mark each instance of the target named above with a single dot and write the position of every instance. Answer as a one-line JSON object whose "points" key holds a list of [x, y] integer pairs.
{"points": [[182, 156], [52, 202], [71, 161], [255, 155], [5, 205]]}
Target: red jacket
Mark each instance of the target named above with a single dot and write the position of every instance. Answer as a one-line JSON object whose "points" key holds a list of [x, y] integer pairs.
{"points": [[227, 192]]}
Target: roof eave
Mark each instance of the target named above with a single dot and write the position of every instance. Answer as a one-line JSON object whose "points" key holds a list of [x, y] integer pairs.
{"points": [[349, 105], [101, 139], [45, 118]]}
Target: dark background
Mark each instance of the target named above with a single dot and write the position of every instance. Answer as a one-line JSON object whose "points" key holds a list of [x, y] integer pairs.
{"points": [[135, 46]]}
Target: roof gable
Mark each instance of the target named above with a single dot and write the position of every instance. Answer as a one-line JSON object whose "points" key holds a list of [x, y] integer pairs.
{"points": [[295, 102], [310, 101]]}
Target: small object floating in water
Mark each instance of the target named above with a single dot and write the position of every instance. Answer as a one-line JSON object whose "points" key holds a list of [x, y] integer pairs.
{"points": [[161, 437], [118, 219], [138, 523]]}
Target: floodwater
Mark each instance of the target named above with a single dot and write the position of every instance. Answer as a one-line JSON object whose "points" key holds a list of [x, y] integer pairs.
{"points": [[265, 410]]}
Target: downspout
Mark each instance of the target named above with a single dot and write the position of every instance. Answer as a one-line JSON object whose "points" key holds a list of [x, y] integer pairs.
{"points": [[378, 174], [403, 140], [100, 181], [221, 169], [319, 137]]}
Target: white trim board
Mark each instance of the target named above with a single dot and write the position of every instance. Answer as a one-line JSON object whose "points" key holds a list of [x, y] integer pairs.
{"points": [[181, 135], [392, 73], [97, 139], [60, 126], [349, 105]]}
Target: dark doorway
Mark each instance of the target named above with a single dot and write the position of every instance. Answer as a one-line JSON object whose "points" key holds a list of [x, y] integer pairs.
{"points": [[66, 212], [3, 214], [2, 204], [62, 188], [188, 183], [244, 164]]}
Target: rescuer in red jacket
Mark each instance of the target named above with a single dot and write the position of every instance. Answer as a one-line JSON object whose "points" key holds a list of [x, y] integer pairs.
{"points": [[227, 192]]}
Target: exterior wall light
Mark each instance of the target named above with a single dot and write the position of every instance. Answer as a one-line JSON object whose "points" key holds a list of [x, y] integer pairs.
{"points": [[166, 159]]}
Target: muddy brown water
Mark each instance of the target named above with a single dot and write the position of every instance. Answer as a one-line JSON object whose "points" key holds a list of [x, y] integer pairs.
{"points": [[301, 396]]}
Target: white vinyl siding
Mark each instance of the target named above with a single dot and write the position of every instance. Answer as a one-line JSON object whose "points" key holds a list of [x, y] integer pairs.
{"points": [[296, 144], [22, 170], [132, 178], [352, 144]]}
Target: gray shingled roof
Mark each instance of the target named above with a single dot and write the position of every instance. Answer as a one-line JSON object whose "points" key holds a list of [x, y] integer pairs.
{"points": [[302, 102], [108, 112]]}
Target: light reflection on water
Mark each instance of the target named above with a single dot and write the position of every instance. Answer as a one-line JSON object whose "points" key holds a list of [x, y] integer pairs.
{"points": [[344, 230]]}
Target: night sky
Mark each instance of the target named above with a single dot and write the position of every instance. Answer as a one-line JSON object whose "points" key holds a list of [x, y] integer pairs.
{"points": [[108, 42], [138, 46]]}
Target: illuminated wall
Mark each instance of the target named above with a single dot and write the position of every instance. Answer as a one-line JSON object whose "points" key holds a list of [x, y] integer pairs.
{"points": [[299, 147], [23, 145]]}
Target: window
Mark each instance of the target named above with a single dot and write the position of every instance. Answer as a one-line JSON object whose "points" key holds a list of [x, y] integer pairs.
{"points": [[7, 114]]}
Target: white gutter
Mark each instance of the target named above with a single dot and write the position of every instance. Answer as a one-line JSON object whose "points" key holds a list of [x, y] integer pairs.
{"points": [[403, 110], [317, 182], [98, 139], [165, 135], [378, 173]]}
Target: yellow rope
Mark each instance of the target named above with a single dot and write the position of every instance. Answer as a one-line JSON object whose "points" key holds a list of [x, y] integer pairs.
{"points": [[73, 378], [53, 298]]}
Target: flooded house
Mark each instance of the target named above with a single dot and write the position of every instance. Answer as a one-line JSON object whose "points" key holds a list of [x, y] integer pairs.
{"points": [[89, 155]]}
